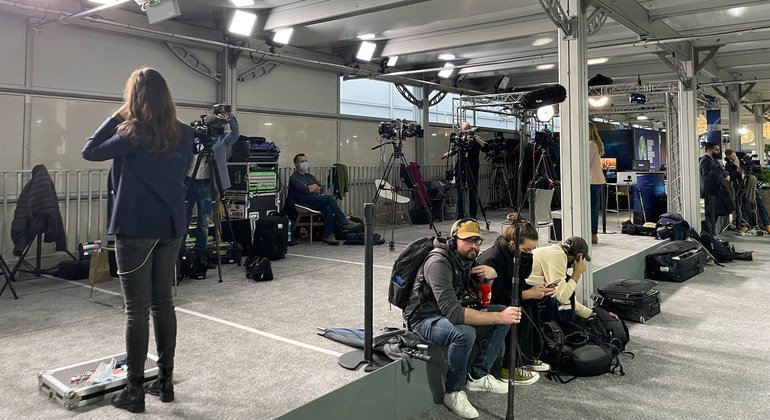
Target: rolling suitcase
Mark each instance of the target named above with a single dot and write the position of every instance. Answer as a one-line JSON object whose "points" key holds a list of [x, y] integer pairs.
{"points": [[271, 236], [676, 261], [631, 300]]}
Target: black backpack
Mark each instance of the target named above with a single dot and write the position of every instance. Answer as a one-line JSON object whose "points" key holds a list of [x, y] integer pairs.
{"points": [[258, 268], [722, 250], [672, 226], [570, 352], [406, 270]]}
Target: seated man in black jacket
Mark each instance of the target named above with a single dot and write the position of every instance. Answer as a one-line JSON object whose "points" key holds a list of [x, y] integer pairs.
{"points": [[437, 314], [500, 257]]}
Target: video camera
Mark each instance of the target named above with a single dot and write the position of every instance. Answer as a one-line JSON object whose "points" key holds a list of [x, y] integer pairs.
{"points": [[463, 140], [749, 162], [496, 148], [545, 139], [209, 127], [400, 129]]}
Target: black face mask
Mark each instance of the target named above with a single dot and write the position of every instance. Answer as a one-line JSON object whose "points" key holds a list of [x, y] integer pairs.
{"points": [[718, 155]]}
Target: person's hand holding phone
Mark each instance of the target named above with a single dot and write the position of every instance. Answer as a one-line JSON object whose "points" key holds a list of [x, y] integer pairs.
{"points": [[538, 292], [579, 268]]}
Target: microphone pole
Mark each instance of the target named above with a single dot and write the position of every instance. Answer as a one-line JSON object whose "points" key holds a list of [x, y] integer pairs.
{"points": [[514, 328]]}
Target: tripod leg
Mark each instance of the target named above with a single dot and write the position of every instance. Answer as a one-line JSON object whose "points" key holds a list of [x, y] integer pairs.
{"points": [[423, 200], [471, 179]]}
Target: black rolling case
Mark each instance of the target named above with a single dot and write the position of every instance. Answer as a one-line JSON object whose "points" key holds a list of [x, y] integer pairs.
{"points": [[677, 261], [271, 235], [631, 300]]}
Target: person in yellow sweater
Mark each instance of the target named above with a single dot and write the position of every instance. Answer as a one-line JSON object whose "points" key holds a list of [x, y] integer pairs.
{"points": [[549, 268]]}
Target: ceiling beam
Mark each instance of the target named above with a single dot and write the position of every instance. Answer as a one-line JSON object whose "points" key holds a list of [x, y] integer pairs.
{"points": [[316, 11], [636, 18], [699, 7], [493, 31], [730, 60]]}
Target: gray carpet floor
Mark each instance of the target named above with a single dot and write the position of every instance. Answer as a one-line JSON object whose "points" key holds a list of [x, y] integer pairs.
{"points": [[249, 350]]}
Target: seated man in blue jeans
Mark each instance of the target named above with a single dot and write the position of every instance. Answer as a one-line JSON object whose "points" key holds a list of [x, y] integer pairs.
{"points": [[305, 190], [436, 313]]}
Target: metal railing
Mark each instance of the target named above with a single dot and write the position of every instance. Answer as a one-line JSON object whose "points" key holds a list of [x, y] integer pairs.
{"points": [[82, 196]]}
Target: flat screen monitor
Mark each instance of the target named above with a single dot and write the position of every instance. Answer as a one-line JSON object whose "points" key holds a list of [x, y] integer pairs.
{"points": [[641, 165]]}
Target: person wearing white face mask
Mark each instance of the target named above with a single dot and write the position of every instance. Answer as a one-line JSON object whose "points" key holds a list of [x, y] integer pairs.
{"points": [[305, 190]]}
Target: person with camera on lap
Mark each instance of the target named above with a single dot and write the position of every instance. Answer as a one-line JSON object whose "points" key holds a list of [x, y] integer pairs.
{"points": [[444, 309], [200, 192]]}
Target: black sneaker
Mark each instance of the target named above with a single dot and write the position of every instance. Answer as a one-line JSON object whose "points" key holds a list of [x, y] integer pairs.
{"points": [[331, 240]]}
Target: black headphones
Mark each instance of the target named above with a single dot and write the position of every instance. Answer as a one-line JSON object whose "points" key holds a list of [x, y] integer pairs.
{"points": [[451, 242]]}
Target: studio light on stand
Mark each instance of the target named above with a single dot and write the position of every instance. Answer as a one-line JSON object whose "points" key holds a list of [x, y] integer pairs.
{"points": [[598, 102], [449, 68], [366, 51], [545, 113], [280, 38]]}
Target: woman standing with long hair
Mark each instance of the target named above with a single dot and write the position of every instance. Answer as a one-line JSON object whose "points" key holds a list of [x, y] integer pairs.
{"points": [[151, 151], [596, 176]]}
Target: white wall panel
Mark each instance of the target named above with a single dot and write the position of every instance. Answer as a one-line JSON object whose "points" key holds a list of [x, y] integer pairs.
{"points": [[437, 143], [82, 60], [12, 45], [291, 88], [315, 137], [356, 141], [12, 110]]}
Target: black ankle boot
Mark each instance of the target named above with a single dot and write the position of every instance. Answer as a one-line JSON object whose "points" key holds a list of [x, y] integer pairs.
{"points": [[131, 398], [163, 386]]}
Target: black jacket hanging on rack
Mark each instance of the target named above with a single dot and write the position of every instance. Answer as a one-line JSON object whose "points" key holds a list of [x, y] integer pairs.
{"points": [[37, 212]]}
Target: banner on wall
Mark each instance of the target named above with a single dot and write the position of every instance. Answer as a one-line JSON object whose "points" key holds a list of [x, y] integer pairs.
{"points": [[714, 126]]}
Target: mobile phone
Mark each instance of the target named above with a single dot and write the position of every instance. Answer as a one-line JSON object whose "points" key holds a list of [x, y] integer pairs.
{"points": [[554, 284]]}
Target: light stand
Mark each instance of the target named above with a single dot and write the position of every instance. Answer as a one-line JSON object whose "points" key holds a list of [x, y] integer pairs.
{"points": [[464, 176], [353, 359]]}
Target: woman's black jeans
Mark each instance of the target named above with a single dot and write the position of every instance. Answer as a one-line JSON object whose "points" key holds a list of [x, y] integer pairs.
{"points": [[147, 270]]}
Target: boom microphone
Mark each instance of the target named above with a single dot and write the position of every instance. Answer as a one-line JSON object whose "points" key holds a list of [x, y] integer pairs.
{"points": [[549, 95]]}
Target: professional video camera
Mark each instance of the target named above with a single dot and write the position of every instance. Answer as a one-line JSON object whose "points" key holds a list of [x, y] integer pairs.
{"points": [[463, 140], [400, 129], [545, 139], [749, 163], [496, 148], [209, 127]]}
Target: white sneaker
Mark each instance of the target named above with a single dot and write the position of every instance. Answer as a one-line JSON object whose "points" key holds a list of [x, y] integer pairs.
{"points": [[539, 366], [488, 383], [458, 403]]}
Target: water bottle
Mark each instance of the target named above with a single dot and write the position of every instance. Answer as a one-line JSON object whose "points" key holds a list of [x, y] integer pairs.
{"points": [[288, 237]]}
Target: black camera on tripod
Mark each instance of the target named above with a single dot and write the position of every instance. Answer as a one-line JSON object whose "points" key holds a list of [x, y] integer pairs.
{"points": [[209, 127], [400, 129], [496, 149], [545, 139], [463, 141]]}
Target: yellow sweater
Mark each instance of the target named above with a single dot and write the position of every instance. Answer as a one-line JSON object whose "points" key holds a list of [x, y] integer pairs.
{"points": [[549, 264]]}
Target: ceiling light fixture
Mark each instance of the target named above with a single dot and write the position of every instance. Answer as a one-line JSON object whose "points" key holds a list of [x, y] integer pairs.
{"points": [[642, 117], [282, 36], [242, 23], [598, 102], [392, 61], [592, 61], [449, 68], [542, 41], [743, 131], [546, 66], [736, 11], [446, 56], [366, 37], [366, 51], [242, 3]]}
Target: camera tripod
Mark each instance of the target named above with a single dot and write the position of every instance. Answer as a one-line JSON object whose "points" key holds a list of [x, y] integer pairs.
{"points": [[465, 178], [499, 185], [390, 176], [207, 155]]}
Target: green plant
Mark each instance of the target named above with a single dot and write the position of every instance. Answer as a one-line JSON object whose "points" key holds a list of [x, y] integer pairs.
{"points": [[764, 176]]}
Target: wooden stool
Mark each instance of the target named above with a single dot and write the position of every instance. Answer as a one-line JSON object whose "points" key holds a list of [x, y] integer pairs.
{"points": [[309, 218]]}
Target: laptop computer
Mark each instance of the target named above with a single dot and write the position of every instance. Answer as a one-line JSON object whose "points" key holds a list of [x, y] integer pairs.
{"points": [[641, 165]]}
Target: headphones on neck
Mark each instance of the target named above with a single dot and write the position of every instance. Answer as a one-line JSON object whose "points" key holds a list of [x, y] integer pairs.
{"points": [[451, 242]]}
